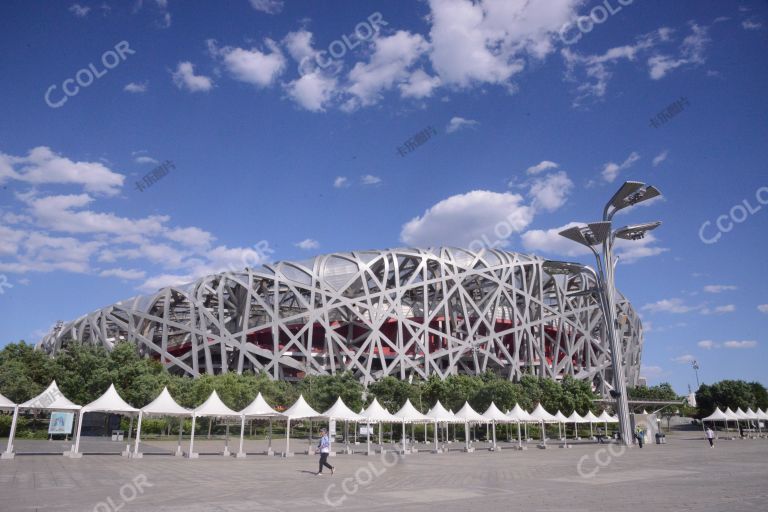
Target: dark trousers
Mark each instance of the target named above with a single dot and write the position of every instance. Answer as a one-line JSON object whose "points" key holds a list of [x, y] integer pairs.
{"points": [[324, 462], [711, 441]]}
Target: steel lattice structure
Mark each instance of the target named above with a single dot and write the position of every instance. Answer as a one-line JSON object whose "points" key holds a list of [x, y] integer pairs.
{"points": [[397, 312]]}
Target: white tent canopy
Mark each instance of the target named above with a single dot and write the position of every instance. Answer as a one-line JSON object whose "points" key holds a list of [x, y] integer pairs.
{"points": [[495, 415], [409, 414], [732, 416], [299, 410], [213, 407], [163, 405], [718, 415], [52, 399], [560, 417], [607, 418], [6, 404], [540, 414], [340, 411], [762, 415], [576, 418], [440, 414], [468, 415], [376, 413], [751, 415], [110, 401], [259, 408], [742, 415], [591, 418], [518, 414]]}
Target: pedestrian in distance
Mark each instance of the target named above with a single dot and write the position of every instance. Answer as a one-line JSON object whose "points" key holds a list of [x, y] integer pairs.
{"points": [[600, 435], [640, 435], [711, 437], [325, 449]]}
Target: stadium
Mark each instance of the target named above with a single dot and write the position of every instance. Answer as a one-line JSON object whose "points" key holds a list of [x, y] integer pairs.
{"points": [[408, 313]]}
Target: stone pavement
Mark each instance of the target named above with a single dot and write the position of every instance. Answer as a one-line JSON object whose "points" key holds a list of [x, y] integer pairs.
{"points": [[684, 474]]}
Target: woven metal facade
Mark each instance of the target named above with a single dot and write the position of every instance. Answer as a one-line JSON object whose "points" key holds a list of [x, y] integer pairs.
{"points": [[397, 312]]}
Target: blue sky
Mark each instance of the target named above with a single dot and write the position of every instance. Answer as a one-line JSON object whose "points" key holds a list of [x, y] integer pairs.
{"points": [[287, 135]]}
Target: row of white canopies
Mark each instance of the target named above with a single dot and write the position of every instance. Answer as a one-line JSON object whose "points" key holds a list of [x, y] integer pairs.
{"points": [[737, 416], [164, 405]]}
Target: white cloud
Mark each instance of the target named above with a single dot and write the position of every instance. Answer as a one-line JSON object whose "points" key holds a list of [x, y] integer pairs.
{"points": [[550, 192], [691, 53], [668, 306], [684, 359], [660, 158], [719, 310], [341, 182], [313, 91], [740, 344], [184, 77], [707, 344], [370, 179], [143, 159], [466, 220], [456, 123], [611, 169], [419, 85], [43, 166], [308, 244], [751, 25], [190, 237], [542, 166], [718, 288], [267, 6], [763, 308], [79, 10], [135, 87], [130, 274], [490, 40], [392, 57], [251, 66]]}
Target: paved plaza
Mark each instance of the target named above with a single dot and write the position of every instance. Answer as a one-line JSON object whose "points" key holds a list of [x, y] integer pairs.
{"points": [[684, 474]]}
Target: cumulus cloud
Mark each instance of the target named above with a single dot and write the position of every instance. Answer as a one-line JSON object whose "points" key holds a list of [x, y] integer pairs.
{"points": [[42, 166], [136, 88], [550, 192], [457, 123], [256, 67], [308, 244], [611, 169], [469, 220], [542, 166], [389, 65], [370, 179], [706, 344], [419, 85], [341, 182], [719, 310], [143, 159], [763, 308], [184, 77], [313, 91]]}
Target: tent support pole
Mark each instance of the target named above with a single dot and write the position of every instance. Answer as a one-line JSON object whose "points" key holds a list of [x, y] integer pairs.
{"points": [[136, 453], [8, 453]]}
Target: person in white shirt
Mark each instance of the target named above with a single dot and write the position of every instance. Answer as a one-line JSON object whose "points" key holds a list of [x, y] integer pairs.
{"points": [[711, 437], [325, 449]]}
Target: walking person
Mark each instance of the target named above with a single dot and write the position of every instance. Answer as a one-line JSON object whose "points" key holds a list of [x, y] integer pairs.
{"points": [[711, 437], [325, 449], [640, 435]]}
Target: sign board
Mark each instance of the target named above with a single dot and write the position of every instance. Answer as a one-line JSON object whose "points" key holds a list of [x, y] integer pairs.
{"points": [[365, 430], [61, 423]]}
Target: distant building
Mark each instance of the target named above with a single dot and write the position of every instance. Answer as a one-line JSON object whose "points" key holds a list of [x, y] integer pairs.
{"points": [[400, 312]]}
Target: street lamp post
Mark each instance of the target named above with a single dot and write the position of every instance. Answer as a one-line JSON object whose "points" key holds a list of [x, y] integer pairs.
{"points": [[695, 365], [601, 234]]}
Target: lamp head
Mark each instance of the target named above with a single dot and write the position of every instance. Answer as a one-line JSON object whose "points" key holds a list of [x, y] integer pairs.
{"points": [[636, 231]]}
